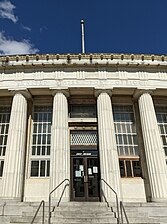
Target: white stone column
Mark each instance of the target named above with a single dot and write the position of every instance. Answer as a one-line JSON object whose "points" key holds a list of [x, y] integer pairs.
{"points": [[60, 151], [109, 163], [155, 157], [13, 174]]}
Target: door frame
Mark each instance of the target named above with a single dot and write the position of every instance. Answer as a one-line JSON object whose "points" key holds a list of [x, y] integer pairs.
{"points": [[86, 194]]}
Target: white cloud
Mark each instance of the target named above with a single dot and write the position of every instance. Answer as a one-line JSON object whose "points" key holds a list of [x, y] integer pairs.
{"points": [[26, 28], [9, 46], [6, 11]]}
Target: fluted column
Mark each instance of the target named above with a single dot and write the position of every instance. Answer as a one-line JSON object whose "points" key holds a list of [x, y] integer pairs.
{"points": [[60, 151], [109, 163], [13, 175], [155, 157]]}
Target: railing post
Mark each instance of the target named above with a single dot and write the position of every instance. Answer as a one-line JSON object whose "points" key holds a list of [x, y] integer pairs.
{"points": [[116, 198], [43, 213], [117, 208], [122, 221], [42, 203], [49, 209], [3, 209], [123, 211], [49, 218]]}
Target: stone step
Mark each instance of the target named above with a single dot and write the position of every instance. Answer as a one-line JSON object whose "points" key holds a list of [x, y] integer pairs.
{"points": [[66, 209], [84, 212], [27, 219], [74, 203], [81, 220], [64, 220], [136, 214], [143, 220], [73, 214]]}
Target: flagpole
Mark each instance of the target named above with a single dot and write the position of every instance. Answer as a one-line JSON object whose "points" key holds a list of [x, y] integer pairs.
{"points": [[83, 37]]}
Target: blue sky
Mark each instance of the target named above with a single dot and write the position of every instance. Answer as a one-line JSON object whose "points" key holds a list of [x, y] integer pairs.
{"points": [[111, 26]]}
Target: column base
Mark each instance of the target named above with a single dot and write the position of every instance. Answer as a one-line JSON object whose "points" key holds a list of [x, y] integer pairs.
{"points": [[159, 200], [11, 200]]}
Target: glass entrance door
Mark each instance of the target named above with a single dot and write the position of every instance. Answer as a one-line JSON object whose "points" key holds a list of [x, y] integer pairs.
{"points": [[85, 176]]}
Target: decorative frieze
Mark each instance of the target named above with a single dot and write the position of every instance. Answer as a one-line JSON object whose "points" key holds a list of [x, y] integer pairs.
{"points": [[80, 74]]}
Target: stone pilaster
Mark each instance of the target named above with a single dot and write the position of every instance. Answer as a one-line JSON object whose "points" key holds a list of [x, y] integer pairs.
{"points": [[60, 151], [109, 163], [12, 186], [155, 157]]}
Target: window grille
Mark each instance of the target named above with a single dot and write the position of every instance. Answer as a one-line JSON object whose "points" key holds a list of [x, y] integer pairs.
{"points": [[41, 141], [161, 113], [4, 126], [83, 138], [125, 130]]}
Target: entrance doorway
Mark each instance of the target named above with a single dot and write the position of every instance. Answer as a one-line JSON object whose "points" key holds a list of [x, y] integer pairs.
{"points": [[84, 175]]}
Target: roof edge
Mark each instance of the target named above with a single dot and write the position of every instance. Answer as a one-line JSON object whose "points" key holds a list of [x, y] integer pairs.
{"points": [[92, 58]]}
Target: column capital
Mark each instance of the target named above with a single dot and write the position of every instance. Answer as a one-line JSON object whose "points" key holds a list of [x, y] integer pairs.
{"points": [[24, 92], [140, 92], [97, 92], [63, 91]]}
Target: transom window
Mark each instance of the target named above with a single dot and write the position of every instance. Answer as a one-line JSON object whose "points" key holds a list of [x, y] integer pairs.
{"points": [[41, 141], [82, 111], [83, 137], [161, 113], [126, 138], [4, 126]]}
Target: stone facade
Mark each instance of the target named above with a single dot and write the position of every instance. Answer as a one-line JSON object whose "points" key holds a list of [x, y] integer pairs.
{"points": [[54, 99]]}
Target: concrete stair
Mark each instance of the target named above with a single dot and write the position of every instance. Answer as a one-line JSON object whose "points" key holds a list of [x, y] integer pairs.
{"points": [[146, 212], [86, 213], [83, 212]]}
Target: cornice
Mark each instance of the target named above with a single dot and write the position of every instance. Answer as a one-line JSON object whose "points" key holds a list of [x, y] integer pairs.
{"points": [[95, 59]]}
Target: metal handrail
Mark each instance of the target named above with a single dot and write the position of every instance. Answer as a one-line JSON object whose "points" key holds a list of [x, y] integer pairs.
{"points": [[123, 210], [42, 203], [50, 197], [3, 208], [116, 198]]}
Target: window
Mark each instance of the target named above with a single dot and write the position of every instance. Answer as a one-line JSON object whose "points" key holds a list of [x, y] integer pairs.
{"points": [[161, 113], [4, 126], [40, 168], [1, 167], [83, 111], [41, 141], [126, 138], [129, 168]]}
